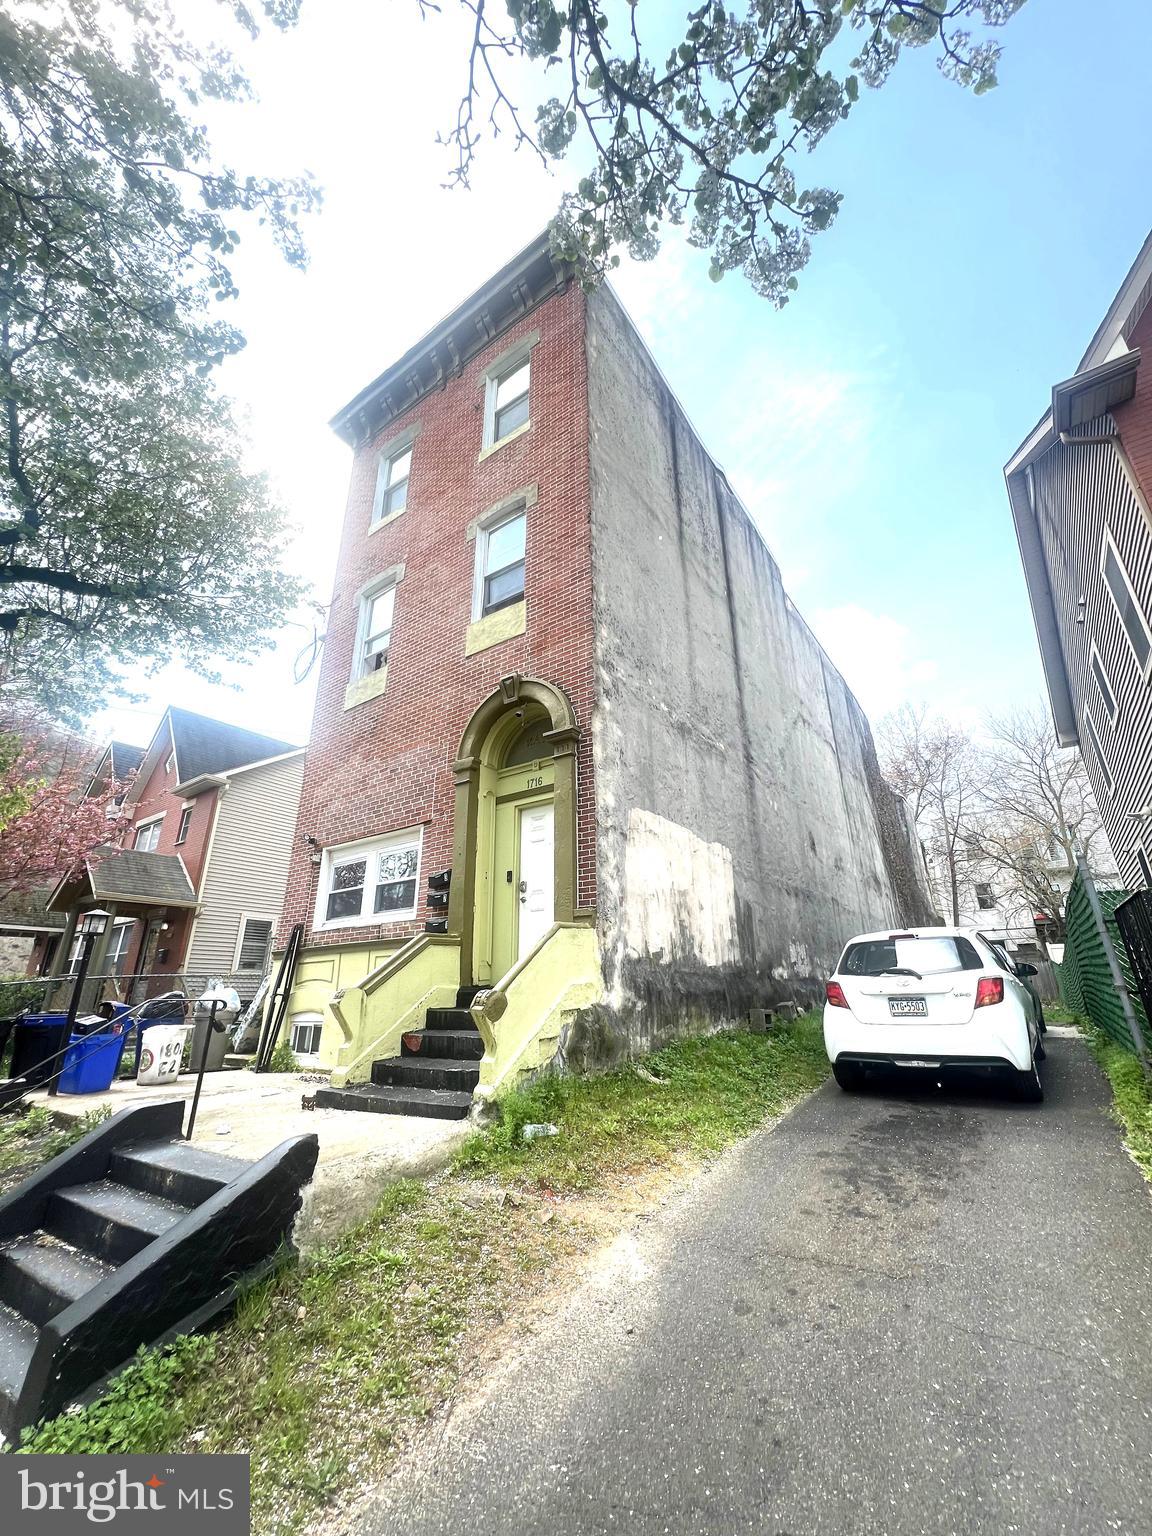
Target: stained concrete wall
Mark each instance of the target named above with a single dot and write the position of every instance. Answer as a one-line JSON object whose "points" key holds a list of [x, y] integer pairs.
{"points": [[744, 830]]}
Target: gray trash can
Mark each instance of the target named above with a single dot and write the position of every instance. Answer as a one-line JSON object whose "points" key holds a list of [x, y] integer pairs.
{"points": [[219, 1043]]}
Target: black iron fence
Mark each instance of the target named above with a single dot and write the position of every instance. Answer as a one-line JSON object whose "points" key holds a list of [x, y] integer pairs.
{"points": [[1134, 919]]}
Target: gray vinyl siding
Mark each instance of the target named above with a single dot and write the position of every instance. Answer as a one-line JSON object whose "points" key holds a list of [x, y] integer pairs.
{"points": [[1078, 492], [248, 860]]}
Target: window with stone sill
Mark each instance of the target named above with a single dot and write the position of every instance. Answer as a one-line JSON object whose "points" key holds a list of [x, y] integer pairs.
{"points": [[373, 882], [507, 402], [392, 485], [500, 564], [376, 626]]}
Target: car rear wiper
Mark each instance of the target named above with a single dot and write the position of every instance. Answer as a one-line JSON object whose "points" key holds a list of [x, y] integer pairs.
{"points": [[897, 970]]}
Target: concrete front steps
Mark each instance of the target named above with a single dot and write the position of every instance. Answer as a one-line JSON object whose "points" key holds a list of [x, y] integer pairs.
{"points": [[434, 1075]]}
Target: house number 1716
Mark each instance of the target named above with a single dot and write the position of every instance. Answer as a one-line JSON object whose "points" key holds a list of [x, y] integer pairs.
{"points": [[535, 783]]}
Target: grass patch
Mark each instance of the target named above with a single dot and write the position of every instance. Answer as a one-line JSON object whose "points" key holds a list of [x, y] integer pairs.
{"points": [[324, 1366], [1131, 1098], [30, 1138], [711, 1090]]}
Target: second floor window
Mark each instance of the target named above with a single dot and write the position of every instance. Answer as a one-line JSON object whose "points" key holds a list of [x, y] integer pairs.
{"points": [[377, 631], [185, 822], [984, 897], [392, 485], [148, 835], [1131, 616], [501, 564]]}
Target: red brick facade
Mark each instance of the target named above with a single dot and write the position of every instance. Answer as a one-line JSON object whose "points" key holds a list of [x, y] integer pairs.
{"points": [[385, 764]]}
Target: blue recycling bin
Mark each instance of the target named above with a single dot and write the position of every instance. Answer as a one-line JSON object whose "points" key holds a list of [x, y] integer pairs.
{"points": [[92, 1061]]}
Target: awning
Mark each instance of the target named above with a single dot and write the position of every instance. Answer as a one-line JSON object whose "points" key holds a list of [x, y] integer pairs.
{"points": [[127, 879]]}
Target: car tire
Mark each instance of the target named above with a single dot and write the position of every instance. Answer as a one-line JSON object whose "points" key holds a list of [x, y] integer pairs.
{"points": [[849, 1074], [1029, 1088]]}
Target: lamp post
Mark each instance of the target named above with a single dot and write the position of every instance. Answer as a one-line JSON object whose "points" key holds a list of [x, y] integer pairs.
{"points": [[90, 926]]}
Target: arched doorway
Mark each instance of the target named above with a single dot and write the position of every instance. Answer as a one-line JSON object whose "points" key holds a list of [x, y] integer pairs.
{"points": [[514, 848]]}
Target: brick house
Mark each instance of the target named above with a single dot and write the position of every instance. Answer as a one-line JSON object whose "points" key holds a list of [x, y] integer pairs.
{"points": [[1080, 488], [195, 875], [572, 744]]}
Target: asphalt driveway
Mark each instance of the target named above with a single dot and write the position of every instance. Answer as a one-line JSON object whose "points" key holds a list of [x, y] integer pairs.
{"points": [[899, 1314]]}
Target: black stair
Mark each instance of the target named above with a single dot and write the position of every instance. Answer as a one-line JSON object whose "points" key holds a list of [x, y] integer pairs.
{"points": [[129, 1236], [434, 1075]]}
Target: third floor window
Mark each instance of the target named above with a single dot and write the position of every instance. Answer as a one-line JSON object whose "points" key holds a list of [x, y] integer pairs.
{"points": [[392, 485]]}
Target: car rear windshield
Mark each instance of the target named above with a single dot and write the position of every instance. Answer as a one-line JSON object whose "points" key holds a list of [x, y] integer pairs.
{"points": [[928, 956]]}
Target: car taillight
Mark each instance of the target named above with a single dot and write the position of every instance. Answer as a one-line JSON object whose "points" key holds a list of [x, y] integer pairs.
{"points": [[989, 989], [834, 994]]}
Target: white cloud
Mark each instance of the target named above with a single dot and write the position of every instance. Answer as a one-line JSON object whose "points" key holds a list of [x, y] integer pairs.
{"points": [[876, 655]]}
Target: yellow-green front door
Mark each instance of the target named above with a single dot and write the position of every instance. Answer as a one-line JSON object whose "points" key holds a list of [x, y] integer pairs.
{"points": [[523, 874]]}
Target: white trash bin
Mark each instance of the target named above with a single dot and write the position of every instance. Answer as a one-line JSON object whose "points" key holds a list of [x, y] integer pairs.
{"points": [[161, 1053]]}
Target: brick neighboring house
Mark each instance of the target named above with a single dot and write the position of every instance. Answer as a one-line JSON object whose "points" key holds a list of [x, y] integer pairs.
{"points": [[196, 877], [572, 743], [1080, 487]]}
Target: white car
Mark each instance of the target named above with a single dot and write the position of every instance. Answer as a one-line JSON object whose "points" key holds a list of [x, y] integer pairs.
{"points": [[935, 998]]}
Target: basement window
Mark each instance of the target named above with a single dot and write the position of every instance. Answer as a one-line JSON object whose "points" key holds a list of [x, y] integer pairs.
{"points": [[306, 1031], [1131, 616], [500, 564], [374, 882], [392, 485]]}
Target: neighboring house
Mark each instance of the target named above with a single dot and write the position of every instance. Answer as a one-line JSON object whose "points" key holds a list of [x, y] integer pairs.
{"points": [[990, 900], [1080, 487], [572, 742], [195, 879]]}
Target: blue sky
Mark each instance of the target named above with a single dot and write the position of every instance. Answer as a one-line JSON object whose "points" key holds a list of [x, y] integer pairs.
{"points": [[979, 245]]}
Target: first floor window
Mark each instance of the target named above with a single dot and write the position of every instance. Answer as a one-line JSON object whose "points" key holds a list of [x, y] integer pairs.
{"points": [[501, 556], [1145, 867], [306, 1031], [392, 485], [1098, 752], [254, 944], [377, 621], [148, 835], [984, 897], [373, 881]]}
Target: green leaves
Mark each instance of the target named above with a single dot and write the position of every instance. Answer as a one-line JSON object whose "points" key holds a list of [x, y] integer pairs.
{"points": [[713, 134], [122, 491]]}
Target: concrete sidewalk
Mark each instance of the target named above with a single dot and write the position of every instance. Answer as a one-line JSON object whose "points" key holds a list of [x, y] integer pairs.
{"points": [[246, 1114]]}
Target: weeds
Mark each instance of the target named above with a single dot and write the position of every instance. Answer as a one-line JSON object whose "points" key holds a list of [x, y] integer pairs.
{"points": [[324, 1366], [1131, 1097]]}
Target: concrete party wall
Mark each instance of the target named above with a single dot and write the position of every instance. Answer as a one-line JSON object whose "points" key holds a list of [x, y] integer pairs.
{"points": [[744, 832]]}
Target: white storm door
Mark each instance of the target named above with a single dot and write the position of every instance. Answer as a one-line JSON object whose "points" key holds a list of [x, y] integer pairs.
{"points": [[537, 876]]}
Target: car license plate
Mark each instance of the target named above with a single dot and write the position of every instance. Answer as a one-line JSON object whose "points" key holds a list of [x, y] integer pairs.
{"points": [[908, 1007]]}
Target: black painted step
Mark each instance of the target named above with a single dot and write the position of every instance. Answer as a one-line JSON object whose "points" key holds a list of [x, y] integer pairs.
{"points": [[462, 1044], [17, 1341], [449, 1018], [434, 1103], [109, 1220], [467, 995], [40, 1276], [174, 1170], [425, 1072]]}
